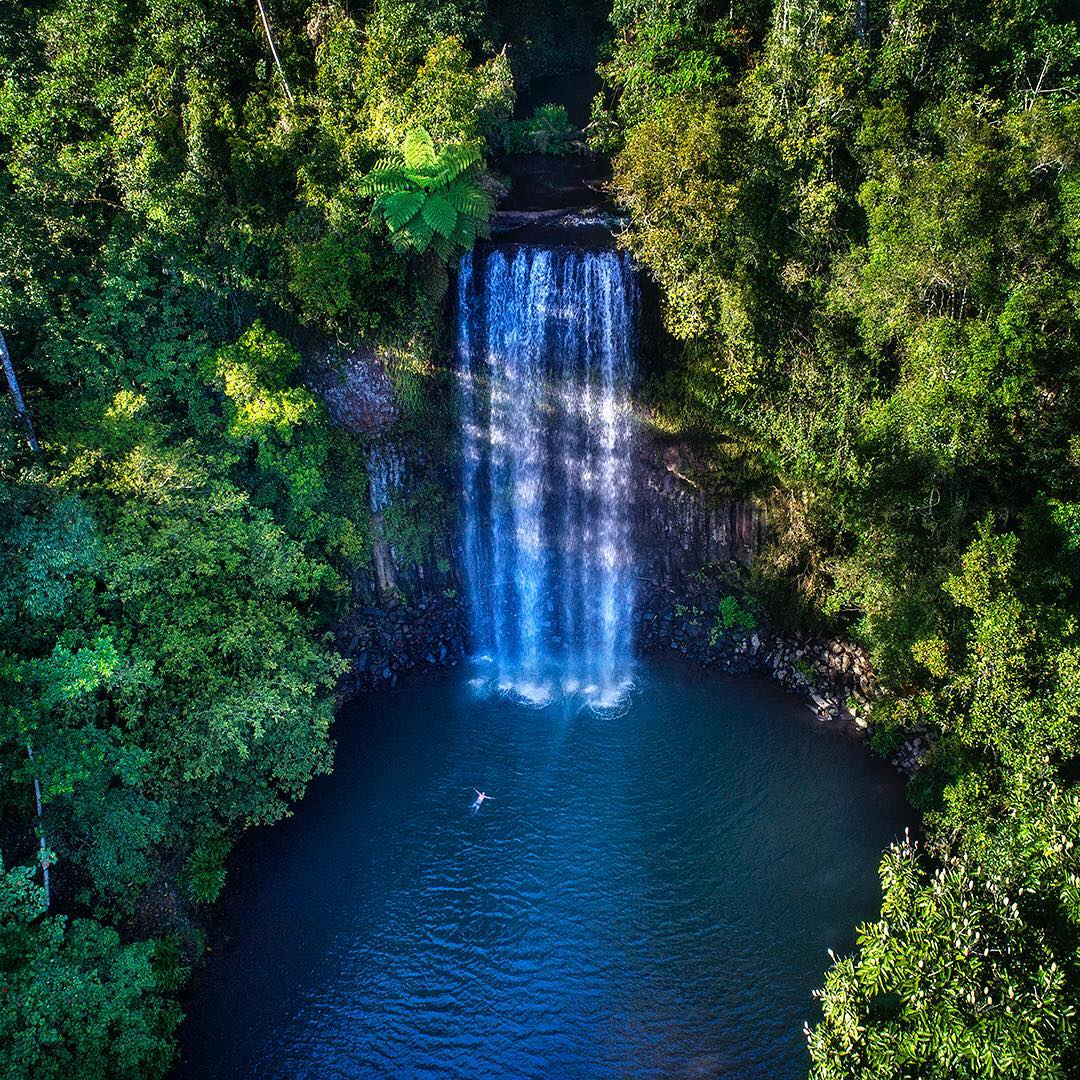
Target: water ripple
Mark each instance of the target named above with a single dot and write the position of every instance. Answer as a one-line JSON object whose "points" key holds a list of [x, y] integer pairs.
{"points": [[647, 895]]}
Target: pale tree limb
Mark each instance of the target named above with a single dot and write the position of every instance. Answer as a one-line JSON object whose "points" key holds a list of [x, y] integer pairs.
{"points": [[41, 833], [23, 413], [273, 51]]}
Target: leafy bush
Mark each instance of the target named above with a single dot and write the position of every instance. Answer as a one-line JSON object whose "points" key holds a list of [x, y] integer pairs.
{"points": [[76, 1001], [547, 131], [341, 281], [206, 867], [962, 976], [731, 615]]}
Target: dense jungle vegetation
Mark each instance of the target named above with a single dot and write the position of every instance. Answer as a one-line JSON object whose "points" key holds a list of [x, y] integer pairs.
{"points": [[864, 221]]}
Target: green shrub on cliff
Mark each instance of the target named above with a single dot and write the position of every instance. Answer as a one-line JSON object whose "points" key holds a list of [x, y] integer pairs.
{"points": [[730, 615], [428, 198]]}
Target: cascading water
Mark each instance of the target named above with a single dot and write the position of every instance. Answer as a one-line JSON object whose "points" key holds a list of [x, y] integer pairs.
{"points": [[546, 354]]}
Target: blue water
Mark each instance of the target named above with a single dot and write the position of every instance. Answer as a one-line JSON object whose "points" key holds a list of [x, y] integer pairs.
{"points": [[648, 895]]}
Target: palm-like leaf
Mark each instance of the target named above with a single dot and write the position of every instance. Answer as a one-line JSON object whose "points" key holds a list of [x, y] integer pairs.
{"points": [[465, 233], [420, 233], [400, 207], [401, 241], [440, 215], [385, 177], [444, 247], [457, 160], [469, 198], [430, 199], [419, 149]]}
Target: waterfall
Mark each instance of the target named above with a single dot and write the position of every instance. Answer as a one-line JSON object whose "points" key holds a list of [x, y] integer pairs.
{"points": [[546, 341]]}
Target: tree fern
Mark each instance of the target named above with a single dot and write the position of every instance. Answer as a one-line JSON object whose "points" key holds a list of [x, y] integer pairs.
{"points": [[440, 215], [419, 150], [430, 198]]}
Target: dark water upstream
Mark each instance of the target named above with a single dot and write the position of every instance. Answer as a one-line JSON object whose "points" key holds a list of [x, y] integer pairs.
{"points": [[648, 895]]}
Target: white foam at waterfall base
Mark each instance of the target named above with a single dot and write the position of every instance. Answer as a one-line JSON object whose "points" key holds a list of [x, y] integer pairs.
{"points": [[546, 339]]}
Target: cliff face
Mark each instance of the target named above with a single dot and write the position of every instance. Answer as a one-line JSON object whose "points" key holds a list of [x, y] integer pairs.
{"points": [[680, 526], [413, 552], [356, 389]]}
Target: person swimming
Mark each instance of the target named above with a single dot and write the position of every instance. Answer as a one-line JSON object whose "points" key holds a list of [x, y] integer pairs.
{"points": [[480, 797]]}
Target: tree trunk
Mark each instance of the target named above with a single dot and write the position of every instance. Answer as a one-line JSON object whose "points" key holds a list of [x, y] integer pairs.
{"points": [[23, 413], [273, 51], [21, 410], [41, 833], [862, 19]]}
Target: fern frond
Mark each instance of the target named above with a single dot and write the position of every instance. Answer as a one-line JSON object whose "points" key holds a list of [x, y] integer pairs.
{"points": [[401, 242], [434, 276], [468, 197], [419, 149], [465, 233], [420, 233], [457, 160], [379, 181], [400, 207], [440, 215], [429, 200], [444, 247]]}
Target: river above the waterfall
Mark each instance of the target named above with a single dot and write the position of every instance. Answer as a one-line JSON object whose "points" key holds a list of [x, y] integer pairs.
{"points": [[648, 894]]}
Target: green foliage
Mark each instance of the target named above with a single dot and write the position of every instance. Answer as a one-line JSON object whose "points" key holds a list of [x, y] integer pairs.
{"points": [[961, 977], [868, 255], [700, 223], [546, 37], [413, 525], [547, 131], [428, 198], [733, 616], [76, 1001], [340, 281], [662, 54], [206, 867], [730, 615]]}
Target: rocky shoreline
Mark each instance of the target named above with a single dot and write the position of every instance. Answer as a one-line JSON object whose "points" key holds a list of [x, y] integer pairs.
{"points": [[836, 678], [383, 643]]}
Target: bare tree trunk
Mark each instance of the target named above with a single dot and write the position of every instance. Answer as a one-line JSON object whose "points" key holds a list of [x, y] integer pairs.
{"points": [[23, 413], [273, 51], [21, 410], [41, 833], [862, 19], [382, 562]]}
